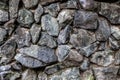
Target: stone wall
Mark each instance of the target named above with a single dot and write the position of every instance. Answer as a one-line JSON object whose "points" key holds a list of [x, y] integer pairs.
{"points": [[59, 40]]}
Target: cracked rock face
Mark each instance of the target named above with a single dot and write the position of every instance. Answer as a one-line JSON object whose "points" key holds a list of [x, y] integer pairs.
{"points": [[59, 40]]}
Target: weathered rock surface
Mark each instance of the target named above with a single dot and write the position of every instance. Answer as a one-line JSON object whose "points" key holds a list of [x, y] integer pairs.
{"points": [[3, 16]]}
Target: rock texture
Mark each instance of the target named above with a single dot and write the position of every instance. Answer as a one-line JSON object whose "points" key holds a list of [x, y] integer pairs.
{"points": [[59, 40]]}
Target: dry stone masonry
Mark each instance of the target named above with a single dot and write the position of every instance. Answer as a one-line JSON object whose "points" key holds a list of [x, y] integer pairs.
{"points": [[59, 39]]}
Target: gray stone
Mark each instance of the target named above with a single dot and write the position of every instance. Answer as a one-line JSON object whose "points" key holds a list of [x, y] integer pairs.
{"points": [[75, 56], [47, 40], [29, 61], [102, 46], [62, 52], [111, 12], [106, 73], [3, 5], [82, 38], [30, 3], [5, 68], [42, 76], [85, 65], [3, 34], [53, 9], [13, 8], [25, 17], [114, 44], [22, 37], [10, 26], [115, 31], [70, 4], [43, 2], [117, 57], [88, 50], [29, 75], [38, 13], [68, 74], [64, 35], [43, 54], [50, 25], [7, 50], [65, 15], [103, 58], [15, 76], [85, 20], [4, 16], [16, 66], [103, 31], [35, 31]]}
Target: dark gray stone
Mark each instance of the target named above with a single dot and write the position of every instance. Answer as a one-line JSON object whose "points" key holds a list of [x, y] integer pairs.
{"points": [[43, 2], [30, 3], [3, 34], [53, 9], [38, 13], [85, 20], [44, 54], [35, 31], [29, 61], [4, 16], [82, 38], [85, 65], [22, 37], [111, 12], [103, 31], [50, 25], [117, 57], [13, 8], [64, 35], [47, 40], [68, 74], [103, 58], [106, 73], [25, 17]]}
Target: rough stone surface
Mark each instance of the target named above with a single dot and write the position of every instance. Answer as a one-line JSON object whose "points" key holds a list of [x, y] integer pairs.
{"points": [[50, 25], [3, 16], [117, 58], [115, 31], [30, 3], [47, 40], [111, 12], [85, 20], [35, 32], [3, 34]]}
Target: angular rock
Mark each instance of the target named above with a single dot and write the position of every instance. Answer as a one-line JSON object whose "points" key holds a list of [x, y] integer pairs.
{"points": [[3, 34], [5, 68], [111, 12], [30, 3], [43, 2], [114, 44], [4, 16], [47, 40], [115, 31], [102, 46], [38, 13], [50, 25], [64, 35], [89, 50], [35, 32], [103, 31], [85, 20], [65, 16], [29, 75], [7, 50], [43, 54], [106, 73], [70, 4], [22, 37], [74, 56], [53, 9], [10, 26], [82, 38], [42, 76], [62, 52], [68, 74], [117, 58], [3, 5], [25, 17], [13, 8], [103, 58], [85, 65], [15, 76], [29, 61]]}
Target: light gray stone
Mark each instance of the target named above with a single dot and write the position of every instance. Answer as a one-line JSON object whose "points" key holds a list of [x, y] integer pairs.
{"points": [[117, 57], [42, 76], [115, 31], [50, 25], [3, 34], [4, 16]]}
